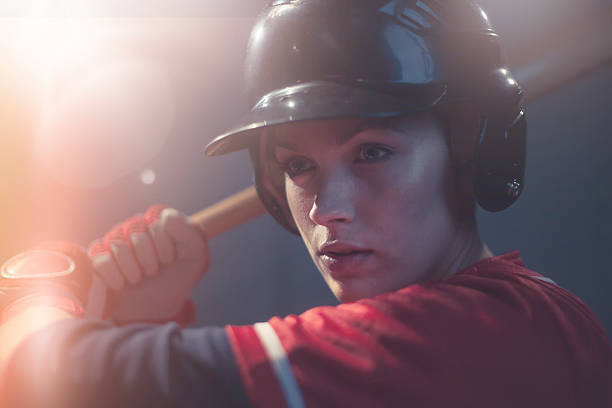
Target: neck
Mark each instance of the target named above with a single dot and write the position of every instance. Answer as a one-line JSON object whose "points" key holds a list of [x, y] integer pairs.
{"points": [[466, 250]]}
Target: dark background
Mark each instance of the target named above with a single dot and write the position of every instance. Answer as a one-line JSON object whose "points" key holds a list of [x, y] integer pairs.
{"points": [[561, 224]]}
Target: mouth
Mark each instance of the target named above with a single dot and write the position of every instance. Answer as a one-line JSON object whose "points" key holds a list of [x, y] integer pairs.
{"points": [[340, 249], [334, 254], [343, 259]]}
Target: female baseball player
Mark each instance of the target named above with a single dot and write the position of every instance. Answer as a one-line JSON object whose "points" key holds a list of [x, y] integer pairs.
{"points": [[376, 127]]}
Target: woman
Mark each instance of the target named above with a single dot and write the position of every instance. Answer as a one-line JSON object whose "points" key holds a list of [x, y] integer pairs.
{"points": [[373, 134]]}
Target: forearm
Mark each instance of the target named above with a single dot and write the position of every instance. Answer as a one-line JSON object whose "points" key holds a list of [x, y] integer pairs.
{"points": [[83, 362]]}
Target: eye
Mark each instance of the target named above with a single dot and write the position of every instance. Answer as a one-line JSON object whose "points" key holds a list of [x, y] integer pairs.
{"points": [[297, 165], [374, 152]]}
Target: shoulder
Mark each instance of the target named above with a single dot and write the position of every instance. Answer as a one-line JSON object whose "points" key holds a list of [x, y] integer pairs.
{"points": [[496, 326]]}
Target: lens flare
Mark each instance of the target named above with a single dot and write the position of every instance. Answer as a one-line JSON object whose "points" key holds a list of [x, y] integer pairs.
{"points": [[106, 124], [148, 176]]}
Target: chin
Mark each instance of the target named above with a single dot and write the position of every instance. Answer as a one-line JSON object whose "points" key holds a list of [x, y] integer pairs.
{"points": [[347, 292]]}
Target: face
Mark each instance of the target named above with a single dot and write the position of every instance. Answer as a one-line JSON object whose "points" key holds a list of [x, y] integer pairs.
{"points": [[371, 200]]}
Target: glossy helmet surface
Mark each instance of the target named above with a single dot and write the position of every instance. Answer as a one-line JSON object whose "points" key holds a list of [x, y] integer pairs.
{"points": [[332, 59]]}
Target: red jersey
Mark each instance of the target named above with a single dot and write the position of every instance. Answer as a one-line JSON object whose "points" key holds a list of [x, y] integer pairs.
{"points": [[494, 335]]}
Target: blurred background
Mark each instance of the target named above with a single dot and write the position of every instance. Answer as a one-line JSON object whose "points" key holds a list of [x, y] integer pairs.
{"points": [[106, 105]]}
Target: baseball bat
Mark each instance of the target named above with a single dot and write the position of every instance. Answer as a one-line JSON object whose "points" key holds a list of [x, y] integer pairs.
{"points": [[229, 213]]}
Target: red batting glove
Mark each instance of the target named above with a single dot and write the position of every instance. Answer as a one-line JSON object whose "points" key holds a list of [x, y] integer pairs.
{"points": [[150, 264], [57, 274]]}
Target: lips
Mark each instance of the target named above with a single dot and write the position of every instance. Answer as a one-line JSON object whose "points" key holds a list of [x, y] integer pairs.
{"points": [[343, 259], [337, 248]]}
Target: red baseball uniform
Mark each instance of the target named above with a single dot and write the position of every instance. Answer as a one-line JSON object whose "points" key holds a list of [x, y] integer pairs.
{"points": [[494, 335]]}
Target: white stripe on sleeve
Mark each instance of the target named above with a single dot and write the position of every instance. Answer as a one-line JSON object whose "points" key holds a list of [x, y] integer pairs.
{"points": [[280, 364], [545, 279]]}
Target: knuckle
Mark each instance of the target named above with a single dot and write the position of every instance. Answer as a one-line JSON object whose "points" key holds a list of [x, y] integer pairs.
{"points": [[153, 213], [171, 218], [117, 247], [115, 234], [170, 212], [133, 225], [100, 261], [139, 240], [97, 247]]}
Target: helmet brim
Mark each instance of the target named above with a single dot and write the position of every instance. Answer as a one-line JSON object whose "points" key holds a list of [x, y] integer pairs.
{"points": [[324, 100]]}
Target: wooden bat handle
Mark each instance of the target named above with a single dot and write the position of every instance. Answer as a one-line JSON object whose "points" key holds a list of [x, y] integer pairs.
{"points": [[229, 213]]}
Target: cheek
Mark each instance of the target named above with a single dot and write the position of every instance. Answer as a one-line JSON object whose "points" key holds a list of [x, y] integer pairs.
{"points": [[406, 190], [428, 225], [412, 211], [422, 180]]}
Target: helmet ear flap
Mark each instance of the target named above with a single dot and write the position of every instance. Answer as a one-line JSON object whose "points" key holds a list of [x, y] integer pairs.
{"points": [[269, 185], [500, 163], [489, 152], [499, 151]]}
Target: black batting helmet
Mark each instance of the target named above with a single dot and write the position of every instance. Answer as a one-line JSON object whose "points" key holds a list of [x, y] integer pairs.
{"points": [[332, 59]]}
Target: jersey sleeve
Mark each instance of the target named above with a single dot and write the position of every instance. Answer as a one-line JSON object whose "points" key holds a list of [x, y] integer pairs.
{"points": [[84, 363], [475, 340]]}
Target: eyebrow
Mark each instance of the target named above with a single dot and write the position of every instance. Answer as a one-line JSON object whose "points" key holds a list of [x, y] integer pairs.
{"points": [[340, 139]]}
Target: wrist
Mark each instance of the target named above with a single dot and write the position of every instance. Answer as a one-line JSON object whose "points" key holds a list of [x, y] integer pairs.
{"points": [[64, 302]]}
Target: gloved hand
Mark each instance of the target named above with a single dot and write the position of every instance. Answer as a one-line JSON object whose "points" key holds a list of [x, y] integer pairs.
{"points": [[57, 274], [150, 264]]}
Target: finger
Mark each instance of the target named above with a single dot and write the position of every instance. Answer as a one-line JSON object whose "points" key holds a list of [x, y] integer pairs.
{"points": [[190, 243], [104, 265], [126, 261], [162, 242], [143, 248], [115, 234], [136, 233]]}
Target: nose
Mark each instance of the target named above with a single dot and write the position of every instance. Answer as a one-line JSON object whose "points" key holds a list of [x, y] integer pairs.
{"points": [[334, 201]]}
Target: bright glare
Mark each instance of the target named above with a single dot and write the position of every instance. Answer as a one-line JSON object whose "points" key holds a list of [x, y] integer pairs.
{"points": [[104, 111], [46, 45], [147, 176], [484, 15], [107, 124], [258, 33]]}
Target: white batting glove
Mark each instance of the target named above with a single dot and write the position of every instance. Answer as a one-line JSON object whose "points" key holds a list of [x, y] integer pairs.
{"points": [[150, 263]]}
